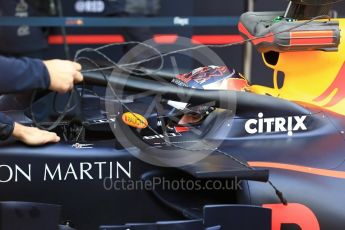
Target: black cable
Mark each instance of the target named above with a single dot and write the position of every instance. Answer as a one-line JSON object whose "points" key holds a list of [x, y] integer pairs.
{"points": [[123, 67], [55, 106], [58, 120], [161, 56], [63, 31]]}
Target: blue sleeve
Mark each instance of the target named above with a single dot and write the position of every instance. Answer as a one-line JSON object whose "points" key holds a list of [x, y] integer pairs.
{"points": [[6, 126], [22, 74]]}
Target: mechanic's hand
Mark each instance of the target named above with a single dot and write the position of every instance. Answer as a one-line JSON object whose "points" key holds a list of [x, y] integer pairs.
{"points": [[63, 74], [34, 136]]}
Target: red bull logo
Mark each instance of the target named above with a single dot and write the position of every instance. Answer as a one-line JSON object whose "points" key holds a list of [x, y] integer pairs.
{"points": [[293, 213], [338, 86]]}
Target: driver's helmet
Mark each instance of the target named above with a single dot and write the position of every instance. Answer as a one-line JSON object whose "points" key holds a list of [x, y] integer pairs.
{"points": [[207, 78]]}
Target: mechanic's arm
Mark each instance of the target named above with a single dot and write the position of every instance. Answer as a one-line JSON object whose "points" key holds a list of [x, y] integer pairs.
{"points": [[33, 136], [21, 74], [27, 135], [25, 74]]}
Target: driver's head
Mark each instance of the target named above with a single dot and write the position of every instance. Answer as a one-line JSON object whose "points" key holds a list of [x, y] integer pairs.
{"points": [[207, 78]]}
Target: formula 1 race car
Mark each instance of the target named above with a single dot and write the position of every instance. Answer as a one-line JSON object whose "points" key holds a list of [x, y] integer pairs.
{"points": [[262, 158]]}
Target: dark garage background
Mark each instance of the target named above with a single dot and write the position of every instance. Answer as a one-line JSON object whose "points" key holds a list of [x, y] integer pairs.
{"points": [[232, 56]]}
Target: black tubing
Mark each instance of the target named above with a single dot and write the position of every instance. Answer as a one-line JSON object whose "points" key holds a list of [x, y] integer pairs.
{"points": [[225, 99]]}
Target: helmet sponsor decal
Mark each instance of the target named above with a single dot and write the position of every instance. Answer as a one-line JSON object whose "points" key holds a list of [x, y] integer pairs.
{"points": [[212, 77]]}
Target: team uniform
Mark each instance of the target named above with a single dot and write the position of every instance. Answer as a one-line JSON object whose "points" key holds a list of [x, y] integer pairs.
{"points": [[19, 75], [21, 40]]}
